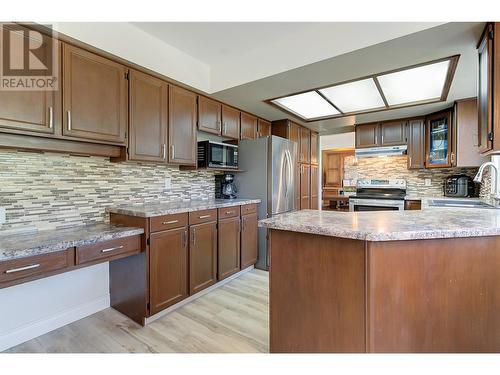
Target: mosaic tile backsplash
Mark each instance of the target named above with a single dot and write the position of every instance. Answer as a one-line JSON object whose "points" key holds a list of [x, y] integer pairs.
{"points": [[49, 191], [396, 167]]}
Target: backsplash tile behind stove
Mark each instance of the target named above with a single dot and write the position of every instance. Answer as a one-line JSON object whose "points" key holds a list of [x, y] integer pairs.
{"points": [[47, 191], [396, 167]]}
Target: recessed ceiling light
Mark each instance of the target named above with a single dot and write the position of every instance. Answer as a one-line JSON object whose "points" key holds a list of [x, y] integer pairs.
{"points": [[415, 84], [308, 105], [355, 96]]}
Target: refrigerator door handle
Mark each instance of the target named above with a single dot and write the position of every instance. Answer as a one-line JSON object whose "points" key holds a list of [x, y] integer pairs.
{"points": [[285, 171], [290, 170]]}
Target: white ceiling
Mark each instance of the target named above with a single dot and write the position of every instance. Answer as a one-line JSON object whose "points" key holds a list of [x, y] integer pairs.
{"points": [[238, 53]]}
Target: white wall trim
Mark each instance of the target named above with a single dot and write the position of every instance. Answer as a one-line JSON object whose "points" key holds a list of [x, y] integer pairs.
{"points": [[42, 326]]}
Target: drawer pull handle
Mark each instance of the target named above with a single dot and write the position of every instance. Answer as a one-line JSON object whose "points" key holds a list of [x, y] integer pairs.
{"points": [[14, 270], [170, 222], [229, 212], [204, 216], [111, 249]]}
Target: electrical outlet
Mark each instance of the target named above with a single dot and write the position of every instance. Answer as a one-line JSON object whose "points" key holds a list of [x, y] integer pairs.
{"points": [[428, 182], [2, 215], [168, 183]]}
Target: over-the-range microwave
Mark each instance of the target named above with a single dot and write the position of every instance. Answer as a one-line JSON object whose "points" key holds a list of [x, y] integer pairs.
{"points": [[217, 155]]}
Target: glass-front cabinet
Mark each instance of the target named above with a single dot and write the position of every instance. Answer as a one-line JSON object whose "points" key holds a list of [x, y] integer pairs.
{"points": [[439, 153]]}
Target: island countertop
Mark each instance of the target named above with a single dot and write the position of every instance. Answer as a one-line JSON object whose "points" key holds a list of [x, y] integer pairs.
{"points": [[391, 225]]}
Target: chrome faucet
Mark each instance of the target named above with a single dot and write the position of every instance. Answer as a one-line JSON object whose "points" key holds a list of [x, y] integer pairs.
{"points": [[494, 178]]}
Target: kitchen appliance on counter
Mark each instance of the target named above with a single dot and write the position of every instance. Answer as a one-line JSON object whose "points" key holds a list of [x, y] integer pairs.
{"points": [[217, 155], [459, 186], [378, 195], [225, 187], [269, 173]]}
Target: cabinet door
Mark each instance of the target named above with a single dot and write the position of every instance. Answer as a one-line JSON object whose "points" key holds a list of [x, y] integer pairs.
{"points": [[248, 126], [314, 148], [294, 134], [230, 122], [181, 126], [94, 97], [209, 115], [305, 186], [30, 111], [333, 168], [392, 133], [168, 268], [305, 145], [485, 93], [416, 144], [298, 172], [367, 135], [438, 140], [248, 240], [148, 118], [314, 187], [229, 247], [202, 256], [263, 128]]}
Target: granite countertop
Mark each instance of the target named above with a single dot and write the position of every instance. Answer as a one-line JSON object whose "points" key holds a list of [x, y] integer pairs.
{"points": [[48, 241], [152, 209], [391, 225]]}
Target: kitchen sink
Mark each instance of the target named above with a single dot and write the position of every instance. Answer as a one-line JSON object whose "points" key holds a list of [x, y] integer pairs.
{"points": [[459, 203]]}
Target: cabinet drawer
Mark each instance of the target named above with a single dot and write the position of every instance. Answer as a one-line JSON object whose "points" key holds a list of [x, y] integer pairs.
{"points": [[35, 265], [169, 222], [226, 212], [203, 216], [249, 209], [108, 250]]}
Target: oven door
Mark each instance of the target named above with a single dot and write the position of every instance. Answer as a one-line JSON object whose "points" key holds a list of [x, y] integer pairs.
{"points": [[222, 156], [360, 204]]}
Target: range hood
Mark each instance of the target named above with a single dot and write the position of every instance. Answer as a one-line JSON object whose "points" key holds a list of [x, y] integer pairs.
{"points": [[381, 151]]}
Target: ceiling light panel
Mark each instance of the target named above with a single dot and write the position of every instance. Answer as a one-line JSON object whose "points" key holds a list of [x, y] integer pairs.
{"points": [[414, 85], [308, 105], [355, 96]]}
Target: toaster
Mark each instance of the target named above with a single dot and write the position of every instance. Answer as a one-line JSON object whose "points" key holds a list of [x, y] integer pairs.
{"points": [[459, 186]]}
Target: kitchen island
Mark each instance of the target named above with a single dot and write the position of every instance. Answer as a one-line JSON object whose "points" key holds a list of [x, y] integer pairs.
{"points": [[407, 281]]}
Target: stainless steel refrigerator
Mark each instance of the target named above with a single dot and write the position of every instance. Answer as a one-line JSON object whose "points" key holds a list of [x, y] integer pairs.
{"points": [[269, 173]]}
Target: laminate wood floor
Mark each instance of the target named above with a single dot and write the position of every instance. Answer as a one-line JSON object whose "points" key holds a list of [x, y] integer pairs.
{"points": [[232, 318]]}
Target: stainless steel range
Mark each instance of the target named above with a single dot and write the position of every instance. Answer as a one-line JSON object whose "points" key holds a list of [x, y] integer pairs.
{"points": [[378, 195]]}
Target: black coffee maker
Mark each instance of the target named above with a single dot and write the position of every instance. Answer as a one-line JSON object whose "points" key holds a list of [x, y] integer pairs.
{"points": [[226, 189]]}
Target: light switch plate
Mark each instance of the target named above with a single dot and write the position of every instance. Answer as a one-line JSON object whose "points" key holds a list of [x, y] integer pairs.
{"points": [[168, 183], [428, 182], [2, 215]]}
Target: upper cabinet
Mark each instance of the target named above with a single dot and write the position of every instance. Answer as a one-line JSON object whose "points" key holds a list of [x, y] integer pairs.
{"points": [[148, 118], [367, 135], [263, 128], [293, 133], [230, 122], [248, 126], [416, 143], [94, 97], [30, 111], [438, 145], [314, 148], [181, 126], [209, 115], [305, 145], [486, 96], [392, 133]]}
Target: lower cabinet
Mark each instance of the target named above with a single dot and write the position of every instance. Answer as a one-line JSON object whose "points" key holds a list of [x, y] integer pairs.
{"points": [[248, 240], [168, 268], [305, 186], [202, 256], [229, 247], [314, 187]]}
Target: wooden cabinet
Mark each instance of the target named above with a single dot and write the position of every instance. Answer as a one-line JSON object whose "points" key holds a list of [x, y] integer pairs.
{"points": [[263, 128], [413, 205], [94, 97], [314, 187], [486, 96], [30, 111], [305, 186], [293, 134], [181, 126], [230, 122], [202, 256], [148, 118], [304, 145], [367, 135], [314, 148], [438, 144], [248, 240], [392, 133], [229, 247], [465, 134], [248, 126], [416, 143], [168, 268], [209, 115]]}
